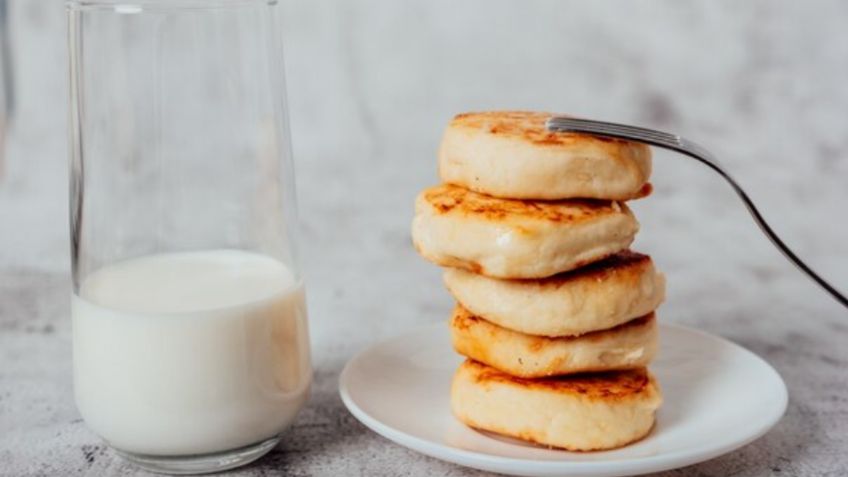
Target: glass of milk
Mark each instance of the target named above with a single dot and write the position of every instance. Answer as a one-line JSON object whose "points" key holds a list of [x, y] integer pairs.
{"points": [[191, 351]]}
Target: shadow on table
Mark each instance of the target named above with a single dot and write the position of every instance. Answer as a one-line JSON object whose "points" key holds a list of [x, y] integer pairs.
{"points": [[773, 453], [323, 428], [787, 443]]}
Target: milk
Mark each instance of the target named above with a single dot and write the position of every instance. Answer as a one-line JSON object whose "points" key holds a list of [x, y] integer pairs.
{"points": [[190, 353]]}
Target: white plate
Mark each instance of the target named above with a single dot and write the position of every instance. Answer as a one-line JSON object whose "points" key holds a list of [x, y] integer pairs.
{"points": [[718, 397]]}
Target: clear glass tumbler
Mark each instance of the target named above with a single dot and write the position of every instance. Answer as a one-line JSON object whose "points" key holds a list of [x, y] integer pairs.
{"points": [[190, 339]]}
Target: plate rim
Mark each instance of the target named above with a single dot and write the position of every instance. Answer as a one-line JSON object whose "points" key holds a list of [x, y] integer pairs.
{"points": [[632, 466]]}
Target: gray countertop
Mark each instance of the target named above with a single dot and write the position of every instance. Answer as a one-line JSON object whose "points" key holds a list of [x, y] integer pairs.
{"points": [[761, 82]]}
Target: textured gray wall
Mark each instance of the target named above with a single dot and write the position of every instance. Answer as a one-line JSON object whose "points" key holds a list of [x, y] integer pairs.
{"points": [[371, 84]]}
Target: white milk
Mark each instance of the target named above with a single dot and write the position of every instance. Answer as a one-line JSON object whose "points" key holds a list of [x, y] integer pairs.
{"points": [[190, 353]]}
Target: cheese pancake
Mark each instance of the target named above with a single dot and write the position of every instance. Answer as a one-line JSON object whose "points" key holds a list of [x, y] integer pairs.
{"points": [[626, 346], [579, 413], [504, 238], [598, 296], [511, 154]]}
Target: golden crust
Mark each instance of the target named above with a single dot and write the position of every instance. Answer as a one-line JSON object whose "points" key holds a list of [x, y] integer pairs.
{"points": [[450, 199], [578, 412], [626, 346], [529, 126], [511, 154], [505, 238], [627, 266], [463, 320], [612, 385]]}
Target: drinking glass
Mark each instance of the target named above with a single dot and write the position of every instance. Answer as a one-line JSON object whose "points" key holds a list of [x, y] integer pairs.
{"points": [[190, 339]]}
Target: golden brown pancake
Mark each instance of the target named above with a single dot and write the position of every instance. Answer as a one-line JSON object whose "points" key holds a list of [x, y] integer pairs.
{"points": [[511, 154], [506, 238], [626, 346], [598, 296], [581, 412]]}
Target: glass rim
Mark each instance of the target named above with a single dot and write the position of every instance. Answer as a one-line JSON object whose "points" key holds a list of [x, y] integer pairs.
{"points": [[140, 6]]}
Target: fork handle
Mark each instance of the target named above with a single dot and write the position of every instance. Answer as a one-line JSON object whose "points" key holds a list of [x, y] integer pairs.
{"points": [[688, 148], [766, 228]]}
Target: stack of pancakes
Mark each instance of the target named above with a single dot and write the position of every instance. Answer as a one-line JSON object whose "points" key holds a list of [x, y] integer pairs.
{"points": [[554, 313]]}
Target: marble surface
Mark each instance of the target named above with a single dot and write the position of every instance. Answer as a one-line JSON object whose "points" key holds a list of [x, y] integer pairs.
{"points": [[762, 83]]}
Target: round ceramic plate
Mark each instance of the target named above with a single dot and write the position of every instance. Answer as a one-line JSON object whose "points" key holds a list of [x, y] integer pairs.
{"points": [[718, 397]]}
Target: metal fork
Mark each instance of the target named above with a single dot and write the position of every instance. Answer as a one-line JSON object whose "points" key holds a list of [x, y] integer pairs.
{"points": [[689, 148]]}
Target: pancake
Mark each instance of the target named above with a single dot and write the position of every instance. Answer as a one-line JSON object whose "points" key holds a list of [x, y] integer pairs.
{"points": [[578, 413], [598, 296], [511, 154], [504, 238], [630, 345]]}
